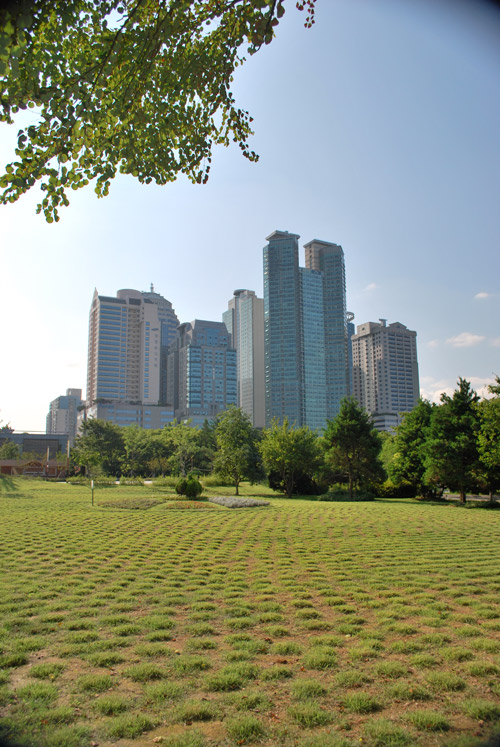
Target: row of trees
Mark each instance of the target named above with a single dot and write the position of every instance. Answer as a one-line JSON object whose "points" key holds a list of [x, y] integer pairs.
{"points": [[454, 445]]}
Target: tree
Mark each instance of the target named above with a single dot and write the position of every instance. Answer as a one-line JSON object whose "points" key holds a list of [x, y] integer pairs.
{"points": [[184, 445], [101, 444], [407, 464], [289, 451], [236, 443], [139, 450], [450, 452], [142, 87], [488, 440], [353, 445], [9, 450]]}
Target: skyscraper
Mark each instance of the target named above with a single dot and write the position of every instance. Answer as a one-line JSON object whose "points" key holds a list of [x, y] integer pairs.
{"points": [[62, 415], [128, 338], [328, 259], [282, 328], [385, 371], [201, 371], [305, 325], [244, 320]]}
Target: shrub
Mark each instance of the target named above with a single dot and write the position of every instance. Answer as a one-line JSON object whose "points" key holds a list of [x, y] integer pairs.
{"points": [[189, 486], [388, 489], [340, 493]]}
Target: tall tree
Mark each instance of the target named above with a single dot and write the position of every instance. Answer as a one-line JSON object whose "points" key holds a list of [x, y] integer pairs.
{"points": [[100, 445], [289, 451], [140, 87], [184, 445], [236, 446], [139, 449], [353, 445], [488, 440], [407, 464], [450, 453]]}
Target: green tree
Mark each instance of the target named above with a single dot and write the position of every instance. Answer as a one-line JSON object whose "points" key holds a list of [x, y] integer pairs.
{"points": [[184, 445], [139, 450], [237, 446], [488, 440], [451, 453], [289, 451], [9, 450], [353, 445], [140, 87], [407, 463], [101, 445]]}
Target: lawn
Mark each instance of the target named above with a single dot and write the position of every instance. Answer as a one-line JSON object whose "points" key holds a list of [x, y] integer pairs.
{"points": [[142, 621]]}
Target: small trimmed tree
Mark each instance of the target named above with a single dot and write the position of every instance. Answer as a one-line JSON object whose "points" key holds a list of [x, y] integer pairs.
{"points": [[189, 486]]}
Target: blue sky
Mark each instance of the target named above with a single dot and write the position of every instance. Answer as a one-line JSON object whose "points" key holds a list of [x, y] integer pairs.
{"points": [[377, 129]]}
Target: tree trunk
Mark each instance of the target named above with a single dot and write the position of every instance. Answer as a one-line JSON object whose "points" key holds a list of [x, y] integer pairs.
{"points": [[350, 485], [237, 485], [463, 497]]}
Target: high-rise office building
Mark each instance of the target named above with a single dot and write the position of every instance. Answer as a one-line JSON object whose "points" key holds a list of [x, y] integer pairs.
{"points": [[128, 340], [62, 415], [244, 320], [328, 259], [312, 350], [282, 328], [385, 371], [305, 323], [201, 371]]}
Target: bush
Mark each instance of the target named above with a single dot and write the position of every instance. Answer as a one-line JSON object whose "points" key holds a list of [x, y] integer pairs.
{"points": [[389, 489], [189, 486], [340, 493]]}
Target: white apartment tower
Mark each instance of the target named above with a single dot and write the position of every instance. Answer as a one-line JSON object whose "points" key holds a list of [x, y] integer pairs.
{"points": [[385, 371], [244, 320]]}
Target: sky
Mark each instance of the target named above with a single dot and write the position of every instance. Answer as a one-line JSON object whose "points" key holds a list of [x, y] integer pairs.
{"points": [[377, 129]]}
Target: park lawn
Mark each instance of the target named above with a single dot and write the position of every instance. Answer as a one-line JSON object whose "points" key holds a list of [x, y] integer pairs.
{"points": [[137, 621]]}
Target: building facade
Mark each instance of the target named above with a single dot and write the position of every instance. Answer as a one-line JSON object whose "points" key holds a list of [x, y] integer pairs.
{"points": [[129, 413], [244, 320], [305, 331], [127, 352], [201, 371], [282, 328], [328, 258], [63, 414], [385, 371]]}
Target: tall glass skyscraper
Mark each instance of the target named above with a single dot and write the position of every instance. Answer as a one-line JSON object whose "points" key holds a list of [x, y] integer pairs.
{"points": [[201, 371], [282, 328], [305, 330], [328, 259]]}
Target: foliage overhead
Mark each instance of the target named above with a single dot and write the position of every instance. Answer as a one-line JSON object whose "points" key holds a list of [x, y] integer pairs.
{"points": [[140, 87]]}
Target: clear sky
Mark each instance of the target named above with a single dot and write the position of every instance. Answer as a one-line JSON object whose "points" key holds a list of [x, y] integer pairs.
{"points": [[378, 129]]}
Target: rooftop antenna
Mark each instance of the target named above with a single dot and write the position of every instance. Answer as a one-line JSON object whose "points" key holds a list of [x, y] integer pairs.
{"points": [[152, 289]]}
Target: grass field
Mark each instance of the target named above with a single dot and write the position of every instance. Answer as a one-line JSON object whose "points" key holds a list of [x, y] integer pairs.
{"points": [[140, 621]]}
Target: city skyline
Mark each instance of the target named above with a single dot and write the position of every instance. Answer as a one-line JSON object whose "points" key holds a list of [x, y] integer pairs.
{"points": [[377, 129]]}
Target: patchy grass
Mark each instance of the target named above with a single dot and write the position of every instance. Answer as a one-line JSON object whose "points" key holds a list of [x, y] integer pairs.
{"points": [[297, 623]]}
